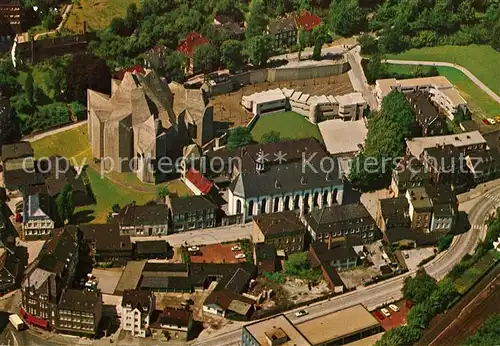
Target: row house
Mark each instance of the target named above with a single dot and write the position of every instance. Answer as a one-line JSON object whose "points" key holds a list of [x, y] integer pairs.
{"points": [[106, 244], [143, 220], [427, 117], [137, 309], [79, 312], [191, 212]]}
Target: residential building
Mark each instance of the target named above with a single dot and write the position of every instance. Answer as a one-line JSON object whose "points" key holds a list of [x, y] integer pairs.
{"points": [[350, 220], [106, 244], [265, 258], [441, 91], [288, 180], [10, 268], [198, 184], [404, 237], [484, 165], [276, 330], [47, 277], [79, 312], [430, 122], [174, 324], [143, 220], [193, 212], [307, 20], [39, 216], [333, 328], [467, 142], [420, 208], [224, 301], [17, 156], [337, 253], [283, 32], [11, 19], [393, 213], [202, 275], [153, 249], [137, 308], [231, 25], [409, 173], [188, 46], [283, 230], [445, 164], [444, 208]]}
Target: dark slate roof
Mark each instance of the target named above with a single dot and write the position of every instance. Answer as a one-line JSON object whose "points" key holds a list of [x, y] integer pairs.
{"points": [[410, 169], [224, 297], [136, 298], [19, 178], [170, 283], [165, 267], [441, 194], [333, 275], [199, 272], [59, 173], [16, 151], [238, 281], [278, 224], [176, 317], [136, 215], [492, 139], [265, 251], [190, 204], [151, 247], [397, 234], [338, 217], [58, 250], [485, 160], [77, 300], [339, 251], [105, 237], [424, 111], [443, 210], [444, 158], [395, 209]]}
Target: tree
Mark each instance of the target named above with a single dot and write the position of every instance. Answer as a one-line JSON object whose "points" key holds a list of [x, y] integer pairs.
{"points": [[271, 137], [162, 192], [297, 263], [256, 19], [115, 208], [258, 50], [7, 127], [29, 88], [420, 315], [444, 242], [375, 69], [239, 137], [399, 336], [419, 288], [175, 65], [232, 54], [65, 204], [8, 79], [317, 48], [346, 17], [368, 44], [441, 299], [206, 58], [85, 71], [488, 334]]}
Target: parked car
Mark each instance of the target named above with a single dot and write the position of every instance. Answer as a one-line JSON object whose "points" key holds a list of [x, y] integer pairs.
{"points": [[492, 121], [240, 256], [393, 308], [193, 249], [236, 248], [486, 122], [301, 313], [379, 316], [385, 312], [497, 118]]}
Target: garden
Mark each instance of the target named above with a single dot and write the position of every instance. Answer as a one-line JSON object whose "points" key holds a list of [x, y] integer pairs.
{"points": [[289, 125]]}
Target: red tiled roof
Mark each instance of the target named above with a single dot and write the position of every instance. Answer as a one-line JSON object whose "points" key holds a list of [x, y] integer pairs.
{"points": [[307, 20], [134, 69], [198, 180], [191, 41]]}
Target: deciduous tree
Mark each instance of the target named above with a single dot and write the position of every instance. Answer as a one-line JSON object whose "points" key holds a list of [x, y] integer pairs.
{"points": [[65, 204], [239, 137], [232, 54]]}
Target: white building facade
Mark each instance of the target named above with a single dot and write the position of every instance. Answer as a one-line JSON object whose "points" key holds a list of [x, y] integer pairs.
{"points": [[137, 308]]}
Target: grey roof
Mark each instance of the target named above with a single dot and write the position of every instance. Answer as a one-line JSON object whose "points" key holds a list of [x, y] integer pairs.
{"points": [[158, 282], [137, 298], [77, 300], [339, 217], [135, 215], [16, 151], [410, 169], [443, 210], [280, 25], [190, 204], [151, 247], [286, 222], [395, 210], [39, 207], [339, 251], [238, 281], [19, 178]]}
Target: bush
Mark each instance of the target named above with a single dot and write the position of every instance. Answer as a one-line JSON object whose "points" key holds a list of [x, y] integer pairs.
{"points": [[444, 242], [278, 278], [368, 44], [79, 110]]}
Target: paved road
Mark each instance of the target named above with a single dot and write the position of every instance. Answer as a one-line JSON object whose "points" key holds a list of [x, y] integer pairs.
{"points": [[32, 138], [469, 74], [61, 24], [358, 78], [205, 236], [379, 294]]}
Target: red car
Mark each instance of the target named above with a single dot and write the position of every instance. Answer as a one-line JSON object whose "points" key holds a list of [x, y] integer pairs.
{"points": [[486, 122], [379, 316]]}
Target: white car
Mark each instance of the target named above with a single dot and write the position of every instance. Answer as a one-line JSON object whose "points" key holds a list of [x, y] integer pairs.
{"points": [[236, 248], [240, 256], [193, 248], [301, 313], [393, 308], [385, 312], [491, 121]]}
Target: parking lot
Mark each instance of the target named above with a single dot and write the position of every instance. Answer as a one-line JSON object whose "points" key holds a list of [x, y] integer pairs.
{"points": [[415, 256], [217, 253], [395, 319]]}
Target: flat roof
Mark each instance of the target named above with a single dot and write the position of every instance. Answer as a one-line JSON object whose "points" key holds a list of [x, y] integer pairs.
{"points": [[386, 85], [418, 144], [343, 136], [266, 96], [276, 325], [130, 277], [454, 96], [355, 98], [332, 326]]}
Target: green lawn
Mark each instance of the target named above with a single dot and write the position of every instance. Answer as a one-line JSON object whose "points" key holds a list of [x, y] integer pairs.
{"points": [[405, 69], [471, 275], [97, 13], [289, 124], [482, 60]]}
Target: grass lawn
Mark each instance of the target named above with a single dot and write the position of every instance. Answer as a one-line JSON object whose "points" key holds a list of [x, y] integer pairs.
{"points": [[481, 60], [38, 71], [471, 275], [97, 13], [288, 124]]}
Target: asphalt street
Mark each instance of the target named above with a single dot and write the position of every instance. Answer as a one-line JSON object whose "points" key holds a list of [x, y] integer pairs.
{"points": [[381, 293]]}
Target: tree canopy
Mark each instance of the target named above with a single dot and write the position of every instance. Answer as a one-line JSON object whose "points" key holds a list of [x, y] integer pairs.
{"points": [[232, 54], [258, 49], [65, 204], [239, 137], [346, 17], [206, 58], [488, 334], [419, 288]]}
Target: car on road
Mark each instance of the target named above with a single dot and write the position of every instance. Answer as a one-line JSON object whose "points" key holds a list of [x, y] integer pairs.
{"points": [[497, 118], [301, 313], [393, 308], [236, 248], [492, 121], [385, 312], [193, 249], [240, 256]]}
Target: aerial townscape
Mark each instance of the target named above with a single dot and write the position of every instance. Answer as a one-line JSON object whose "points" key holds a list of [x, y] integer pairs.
{"points": [[250, 172]]}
